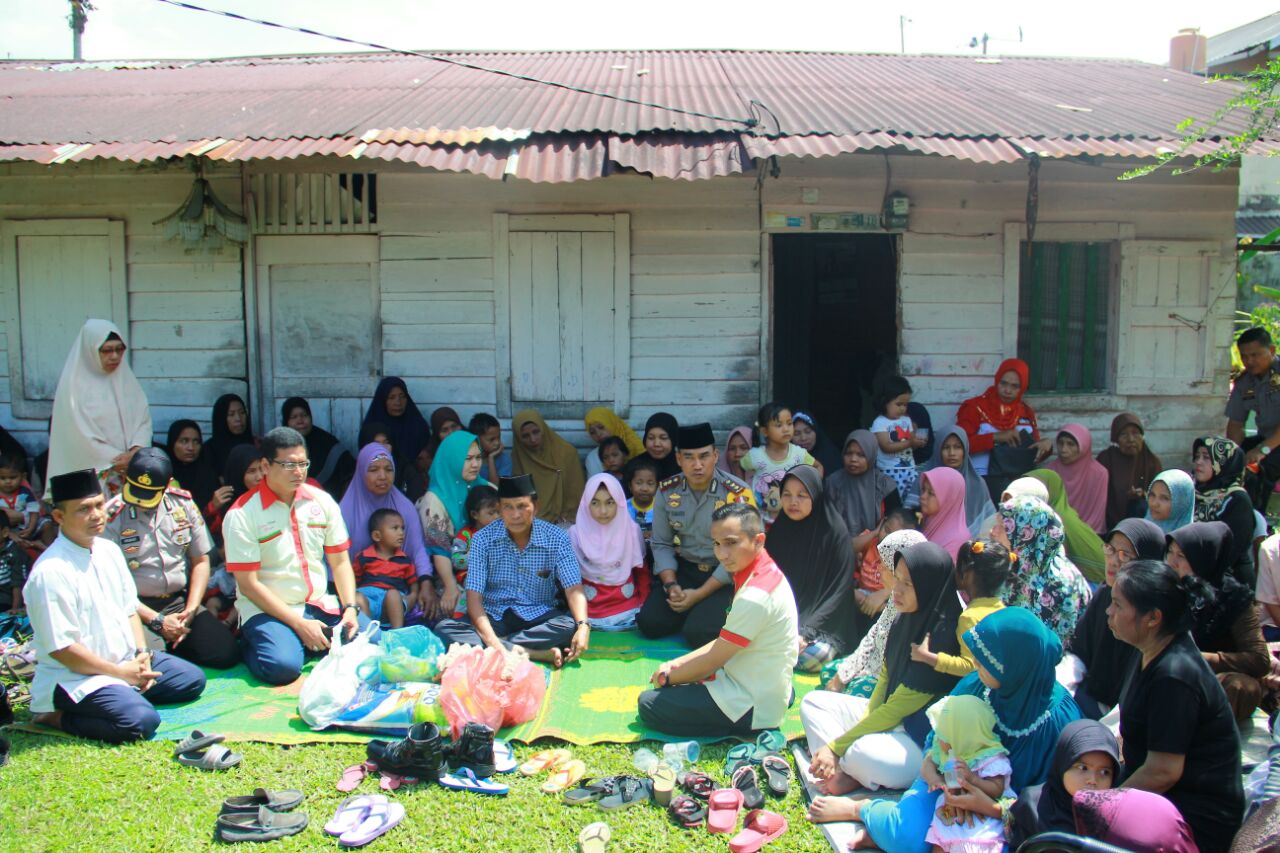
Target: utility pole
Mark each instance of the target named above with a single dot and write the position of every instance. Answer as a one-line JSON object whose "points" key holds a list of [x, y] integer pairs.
{"points": [[80, 10], [903, 20]]}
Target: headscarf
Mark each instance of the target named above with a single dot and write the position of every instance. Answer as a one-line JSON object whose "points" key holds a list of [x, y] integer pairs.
{"points": [[994, 411], [1084, 545], [331, 465], [1031, 707], [968, 726], [222, 440], [1228, 476], [723, 462], [1126, 473], [667, 466], [936, 614], [860, 499], [617, 427], [1079, 738], [1085, 480], [446, 476], [1107, 659], [1044, 581], [358, 504], [1028, 487], [96, 415], [238, 462], [1182, 499], [613, 550], [947, 526], [408, 430], [977, 500], [824, 450], [369, 432], [1132, 819], [815, 557], [1208, 546], [556, 470], [198, 477], [439, 418]]}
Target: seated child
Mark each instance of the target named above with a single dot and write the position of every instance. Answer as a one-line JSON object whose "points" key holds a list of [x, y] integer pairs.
{"points": [[1087, 758], [642, 480], [481, 508], [17, 500], [768, 464], [870, 592], [14, 567], [488, 433], [384, 568], [610, 554], [982, 569], [612, 453], [965, 752]]}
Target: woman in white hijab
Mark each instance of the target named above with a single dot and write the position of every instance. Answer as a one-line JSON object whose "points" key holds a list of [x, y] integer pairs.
{"points": [[100, 414]]}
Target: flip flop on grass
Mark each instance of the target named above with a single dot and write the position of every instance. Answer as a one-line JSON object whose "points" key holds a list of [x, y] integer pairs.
{"points": [[465, 780], [547, 759], [594, 837], [568, 774]]}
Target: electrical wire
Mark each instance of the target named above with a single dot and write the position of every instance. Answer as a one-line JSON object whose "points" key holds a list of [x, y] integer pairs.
{"points": [[746, 122]]}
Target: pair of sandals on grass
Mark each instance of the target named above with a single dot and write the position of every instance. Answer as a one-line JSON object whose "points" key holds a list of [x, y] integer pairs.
{"points": [[269, 815]]}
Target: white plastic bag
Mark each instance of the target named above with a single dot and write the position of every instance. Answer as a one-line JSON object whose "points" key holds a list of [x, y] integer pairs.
{"points": [[333, 682]]}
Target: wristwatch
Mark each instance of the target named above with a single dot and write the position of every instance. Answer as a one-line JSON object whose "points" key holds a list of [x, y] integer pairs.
{"points": [[582, 623], [1264, 449], [156, 624], [347, 607]]}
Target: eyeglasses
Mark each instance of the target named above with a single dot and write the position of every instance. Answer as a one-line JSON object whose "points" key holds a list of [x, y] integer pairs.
{"points": [[116, 350], [1123, 556], [291, 466]]}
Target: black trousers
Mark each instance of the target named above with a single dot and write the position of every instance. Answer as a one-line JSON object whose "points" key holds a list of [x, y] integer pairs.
{"points": [[701, 624], [210, 643], [687, 710], [1262, 484]]}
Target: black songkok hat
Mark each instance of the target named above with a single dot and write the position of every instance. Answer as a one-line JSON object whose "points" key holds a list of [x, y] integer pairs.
{"points": [[74, 485], [695, 436], [517, 487]]}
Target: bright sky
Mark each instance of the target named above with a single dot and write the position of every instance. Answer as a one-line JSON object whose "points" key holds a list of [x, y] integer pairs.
{"points": [[149, 29]]}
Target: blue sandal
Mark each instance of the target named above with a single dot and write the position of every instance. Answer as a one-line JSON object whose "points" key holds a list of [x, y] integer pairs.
{"points": [[465, 780]]}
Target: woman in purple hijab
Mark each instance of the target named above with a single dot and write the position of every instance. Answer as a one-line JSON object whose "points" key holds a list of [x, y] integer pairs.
{"points": [[373, 488]]}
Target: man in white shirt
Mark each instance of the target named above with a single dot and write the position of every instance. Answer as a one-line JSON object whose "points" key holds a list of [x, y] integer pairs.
{"points": [[278, 538], [94, 677]]}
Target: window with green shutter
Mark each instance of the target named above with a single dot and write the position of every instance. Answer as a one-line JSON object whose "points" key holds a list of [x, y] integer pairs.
{"points": [[1064, 315]]}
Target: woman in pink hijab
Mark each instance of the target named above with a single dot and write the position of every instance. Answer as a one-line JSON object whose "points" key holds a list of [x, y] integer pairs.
{"points": [[942, 505], [610, 552], [1084, 478], [735, 447]]}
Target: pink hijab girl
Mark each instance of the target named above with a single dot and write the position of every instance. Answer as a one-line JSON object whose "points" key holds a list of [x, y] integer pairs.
{"points": [[1083, 477], [610, 551], [942, 505]]}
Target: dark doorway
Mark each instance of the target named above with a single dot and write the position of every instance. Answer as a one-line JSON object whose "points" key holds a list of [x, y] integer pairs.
{"points": [[835, 327]]}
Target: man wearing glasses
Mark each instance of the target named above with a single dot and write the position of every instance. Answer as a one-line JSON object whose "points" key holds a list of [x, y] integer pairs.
{"points": [[278, 538]]}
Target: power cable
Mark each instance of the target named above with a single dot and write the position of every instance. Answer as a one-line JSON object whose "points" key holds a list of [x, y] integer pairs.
{"points": [[746, 122]]}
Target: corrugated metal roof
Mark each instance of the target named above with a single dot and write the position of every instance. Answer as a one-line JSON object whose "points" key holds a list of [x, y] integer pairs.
{"points": [[1242, 40], [727, 107]]}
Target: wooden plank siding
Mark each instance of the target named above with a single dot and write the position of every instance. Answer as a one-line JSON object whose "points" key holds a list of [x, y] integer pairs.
{"points": [[186, 312], [696, 283]]}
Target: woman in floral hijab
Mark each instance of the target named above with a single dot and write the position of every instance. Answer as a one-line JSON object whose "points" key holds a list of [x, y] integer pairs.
{"points": [[1045, 581]]}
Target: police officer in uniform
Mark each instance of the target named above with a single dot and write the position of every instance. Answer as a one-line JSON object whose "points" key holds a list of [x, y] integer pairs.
{"points": [[166, 547], [694, 591]]}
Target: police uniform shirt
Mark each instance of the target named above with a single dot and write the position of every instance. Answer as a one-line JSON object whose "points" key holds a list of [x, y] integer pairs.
{"points": [[682, 519], [159, 543], [1258, 394]]}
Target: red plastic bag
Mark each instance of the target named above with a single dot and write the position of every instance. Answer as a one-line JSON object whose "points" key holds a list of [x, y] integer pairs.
{"points": [[472, 690]]}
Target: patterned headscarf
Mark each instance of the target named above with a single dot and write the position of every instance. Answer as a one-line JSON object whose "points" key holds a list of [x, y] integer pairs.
{"points": [[1046, 582], [1227, 460]]}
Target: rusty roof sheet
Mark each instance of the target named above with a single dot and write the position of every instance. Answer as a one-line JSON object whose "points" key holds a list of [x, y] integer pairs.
{"points": [[728, 109]]}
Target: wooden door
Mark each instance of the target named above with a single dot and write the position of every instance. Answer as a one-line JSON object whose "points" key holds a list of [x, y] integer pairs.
{"points": [[564, 295], [319, 335], [56, 275]]}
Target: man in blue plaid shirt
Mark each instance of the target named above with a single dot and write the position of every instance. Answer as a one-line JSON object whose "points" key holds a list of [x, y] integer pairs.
{"points": [[516, 572]]}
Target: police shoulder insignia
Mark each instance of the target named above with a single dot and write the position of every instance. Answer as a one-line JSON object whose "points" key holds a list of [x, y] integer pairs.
{"points": [[182, 493], [670, 483]]}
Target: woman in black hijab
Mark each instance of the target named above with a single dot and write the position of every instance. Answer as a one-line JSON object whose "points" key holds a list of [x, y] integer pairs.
{"points": [[230, 428], [1107, 660], [332, 465], [194, 473], [810, 543], [1087, 757], [659, 438]]}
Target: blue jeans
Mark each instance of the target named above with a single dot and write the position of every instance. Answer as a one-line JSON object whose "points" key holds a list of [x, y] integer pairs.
{"points": [[273, 652], [120, 714]]}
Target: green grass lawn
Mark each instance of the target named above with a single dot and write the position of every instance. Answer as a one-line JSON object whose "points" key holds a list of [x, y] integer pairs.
{"points": [[62, 794]]}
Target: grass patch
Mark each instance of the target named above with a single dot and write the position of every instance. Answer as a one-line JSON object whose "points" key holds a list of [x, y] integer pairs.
{"points": [[63, 794]]}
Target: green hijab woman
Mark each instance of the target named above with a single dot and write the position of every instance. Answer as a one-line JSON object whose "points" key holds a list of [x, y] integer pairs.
{"points": [[1084, 547]]}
